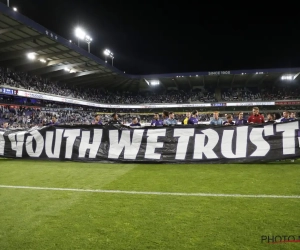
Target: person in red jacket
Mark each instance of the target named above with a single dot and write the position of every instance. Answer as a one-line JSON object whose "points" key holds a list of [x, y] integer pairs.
{"points": [[256, 117]]}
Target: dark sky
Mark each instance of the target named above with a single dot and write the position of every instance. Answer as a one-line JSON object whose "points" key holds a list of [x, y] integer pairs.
{"points": [[181, 36]]}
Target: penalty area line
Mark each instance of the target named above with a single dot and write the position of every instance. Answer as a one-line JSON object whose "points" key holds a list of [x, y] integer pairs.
{"points": [[155, 193]]}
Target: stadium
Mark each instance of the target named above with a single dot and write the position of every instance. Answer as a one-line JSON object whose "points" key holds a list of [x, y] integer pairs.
{"points": [[95, 158]]}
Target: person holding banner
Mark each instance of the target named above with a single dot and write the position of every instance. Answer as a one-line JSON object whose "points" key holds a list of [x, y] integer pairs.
{"points": [[186, 119], [229, 120], [193, 119], [216, 120], [54, 121], [5, 125], [115, 119], [135, 122], [270, 118], [256, 117], [285, 116], [292, 116], [241, 120], [171, 120], [97, 120], [156, 122]]}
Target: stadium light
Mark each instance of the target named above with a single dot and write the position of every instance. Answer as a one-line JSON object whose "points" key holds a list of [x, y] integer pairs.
{"points": [[108, 53], [88, 39], [295, 76], [31, 56], [81, 35], [154, 82], [287, 77]]}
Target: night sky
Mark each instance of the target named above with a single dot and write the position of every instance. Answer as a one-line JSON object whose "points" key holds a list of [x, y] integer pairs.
{"points": [[150, 37]]}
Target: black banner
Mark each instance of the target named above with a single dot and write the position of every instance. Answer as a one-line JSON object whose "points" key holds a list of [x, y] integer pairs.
{"points": [[176, 144]]}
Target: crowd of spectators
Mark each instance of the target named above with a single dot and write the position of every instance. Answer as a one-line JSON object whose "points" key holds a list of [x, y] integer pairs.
{"points": [[26, 117], [199, 95], [280, 93], [36, 83], [241, 94], [267, 93]]}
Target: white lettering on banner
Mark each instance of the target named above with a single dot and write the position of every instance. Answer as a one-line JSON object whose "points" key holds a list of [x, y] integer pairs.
{"points": [[183, 140], [39, 144], [262, 146], [208, 150], [17, 142], [288, 136], [2, 143], [93, 147], [130, 147], [71, 135], [241, 143], [269, 130], [152, 143], [57, 145]]}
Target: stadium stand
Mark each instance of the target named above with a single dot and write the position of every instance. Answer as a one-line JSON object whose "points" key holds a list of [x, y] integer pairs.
{"points": [[89, 79]]}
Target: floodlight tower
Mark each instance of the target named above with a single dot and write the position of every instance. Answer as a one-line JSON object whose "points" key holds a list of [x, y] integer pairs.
{"points": [[81, 35], [108, 53]]}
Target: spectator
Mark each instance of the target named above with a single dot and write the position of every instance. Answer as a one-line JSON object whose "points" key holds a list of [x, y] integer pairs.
{"points": [[97, 120], [256, 117], [156, 122], [193, 119], [165, 116], [229, 120], [135, 122], [292, 116], [270, 118], [241, 120], [216, 120], [187, 117], [5, 125], [171, 120], [285, 116]]}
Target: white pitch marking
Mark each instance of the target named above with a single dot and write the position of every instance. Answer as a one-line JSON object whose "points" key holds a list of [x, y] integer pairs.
{"points": [[156, 193]]}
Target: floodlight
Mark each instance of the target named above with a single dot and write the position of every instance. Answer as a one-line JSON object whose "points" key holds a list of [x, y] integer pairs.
{"points": [[287, 77], [31, 56], [154, 82], [67, 69], [88, 39], [106, 52], [15, 9], [145, 81], [80, 33], [42, 60]]}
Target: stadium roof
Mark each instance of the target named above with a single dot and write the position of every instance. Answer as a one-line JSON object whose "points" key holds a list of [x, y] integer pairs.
{"points": [[20, 35]]}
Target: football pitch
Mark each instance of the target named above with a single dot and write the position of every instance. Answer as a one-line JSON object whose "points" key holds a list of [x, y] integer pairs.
{"points": [[67, 205]]}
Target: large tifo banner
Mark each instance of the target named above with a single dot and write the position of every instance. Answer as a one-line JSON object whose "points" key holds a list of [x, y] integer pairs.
{"points": [[178, 144]]}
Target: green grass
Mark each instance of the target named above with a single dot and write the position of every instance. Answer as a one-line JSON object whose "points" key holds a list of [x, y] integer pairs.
{"points": [[47, 219]]}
